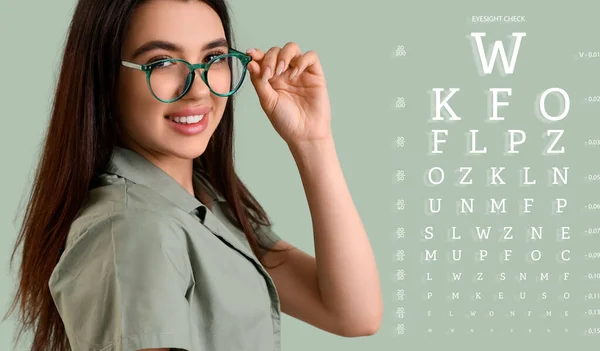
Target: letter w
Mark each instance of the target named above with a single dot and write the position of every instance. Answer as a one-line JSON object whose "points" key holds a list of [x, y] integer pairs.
{"points": [[486, 64]]}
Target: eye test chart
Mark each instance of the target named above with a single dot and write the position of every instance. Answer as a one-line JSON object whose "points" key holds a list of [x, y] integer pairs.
{"points": [[493, 132]]}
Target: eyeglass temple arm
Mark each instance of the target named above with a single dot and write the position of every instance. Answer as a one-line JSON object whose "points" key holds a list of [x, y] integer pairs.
{"points": [[131, 65]]}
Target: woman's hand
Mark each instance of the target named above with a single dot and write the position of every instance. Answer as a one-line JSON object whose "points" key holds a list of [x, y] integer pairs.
{"points": [[292, 91]]}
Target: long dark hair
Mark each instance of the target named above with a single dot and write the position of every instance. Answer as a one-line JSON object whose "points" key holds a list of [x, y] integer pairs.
{"points": [[82, 131]]}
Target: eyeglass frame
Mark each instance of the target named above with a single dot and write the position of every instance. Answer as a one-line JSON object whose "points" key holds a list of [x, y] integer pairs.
{"points": [[244, 58]]}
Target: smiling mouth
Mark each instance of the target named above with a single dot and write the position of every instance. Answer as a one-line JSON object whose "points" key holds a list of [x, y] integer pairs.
{"points": [[186, 119]]}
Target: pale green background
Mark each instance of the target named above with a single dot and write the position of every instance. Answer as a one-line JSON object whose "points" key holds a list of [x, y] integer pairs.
{"points": [[356, 42]]}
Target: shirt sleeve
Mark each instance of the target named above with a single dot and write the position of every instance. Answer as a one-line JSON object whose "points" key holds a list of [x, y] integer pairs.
{"points": [[123, 285]]}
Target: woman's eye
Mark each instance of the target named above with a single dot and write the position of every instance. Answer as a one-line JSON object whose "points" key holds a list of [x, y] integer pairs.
{"points": [[212, 56], [164, 64], [161, 64]]}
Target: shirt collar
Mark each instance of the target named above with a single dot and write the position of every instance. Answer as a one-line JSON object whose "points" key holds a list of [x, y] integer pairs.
{"points": [[131, 165]]}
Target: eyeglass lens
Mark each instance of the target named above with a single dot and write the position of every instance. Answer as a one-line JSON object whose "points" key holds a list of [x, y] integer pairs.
{"points": [[168, 81]]}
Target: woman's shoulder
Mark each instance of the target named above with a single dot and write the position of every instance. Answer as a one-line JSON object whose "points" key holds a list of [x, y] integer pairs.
{"points": [[119, 216], [131, 220], [121, 203], [120, 238], [110, 191]]}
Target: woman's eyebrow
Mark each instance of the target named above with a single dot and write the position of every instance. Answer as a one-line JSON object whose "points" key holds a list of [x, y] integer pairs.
{"points": [[169, 46], [221, 42]]}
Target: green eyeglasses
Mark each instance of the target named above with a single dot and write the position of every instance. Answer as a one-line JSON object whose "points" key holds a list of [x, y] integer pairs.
{"points": [[170, 79]]}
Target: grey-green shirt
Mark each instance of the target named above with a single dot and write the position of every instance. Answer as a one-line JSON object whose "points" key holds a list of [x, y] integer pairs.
{"points": [[147, 265]]}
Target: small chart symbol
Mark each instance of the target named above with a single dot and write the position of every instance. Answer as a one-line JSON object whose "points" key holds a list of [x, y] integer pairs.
{"points": [[400, 51]]}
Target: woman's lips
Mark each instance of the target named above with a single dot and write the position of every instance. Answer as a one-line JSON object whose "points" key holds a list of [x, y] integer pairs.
{"points": [[189, 128]]}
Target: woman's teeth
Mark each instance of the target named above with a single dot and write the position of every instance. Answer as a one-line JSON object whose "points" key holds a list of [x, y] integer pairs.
{"points": [[186, 120]]}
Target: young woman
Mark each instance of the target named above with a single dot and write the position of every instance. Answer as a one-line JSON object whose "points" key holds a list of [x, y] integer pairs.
{"points": [[139, 233]]}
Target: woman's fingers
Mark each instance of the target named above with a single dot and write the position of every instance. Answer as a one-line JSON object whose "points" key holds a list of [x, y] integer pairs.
{"points": [[275, 61]]}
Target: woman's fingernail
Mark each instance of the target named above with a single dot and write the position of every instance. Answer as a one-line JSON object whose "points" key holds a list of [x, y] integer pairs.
{"points": [[294, 72], [251, 50], [280, 67], [267, 74]]}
